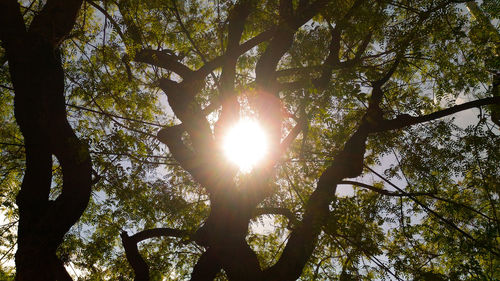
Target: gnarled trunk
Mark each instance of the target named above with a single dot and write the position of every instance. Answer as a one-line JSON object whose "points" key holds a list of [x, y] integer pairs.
{"points": [[39, 106]]}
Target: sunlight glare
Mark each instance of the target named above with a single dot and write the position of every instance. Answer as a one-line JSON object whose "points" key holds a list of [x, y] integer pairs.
{"points": [[245, 144]]}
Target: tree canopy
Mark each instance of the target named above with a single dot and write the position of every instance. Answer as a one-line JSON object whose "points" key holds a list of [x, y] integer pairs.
{"points": [[382, 120]]}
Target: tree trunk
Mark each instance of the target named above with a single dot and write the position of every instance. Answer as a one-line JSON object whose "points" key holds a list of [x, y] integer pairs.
{"points": [[39, 107], [38, 81]]}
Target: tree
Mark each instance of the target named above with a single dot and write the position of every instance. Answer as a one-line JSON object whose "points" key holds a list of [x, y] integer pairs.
{"points": [[38, 80], [343, 89]]}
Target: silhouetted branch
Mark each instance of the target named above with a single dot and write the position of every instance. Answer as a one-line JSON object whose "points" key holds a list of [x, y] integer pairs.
{"points": [[134, 258], [11, 23], [53, 25], [207, 266], [12, 144], [292, 135], [163, 59], [277, 211], [383, 191], [158, 232], [172, 137], [461, 205], [407, 120], [230, 105], [247, 45], [7, 87]]}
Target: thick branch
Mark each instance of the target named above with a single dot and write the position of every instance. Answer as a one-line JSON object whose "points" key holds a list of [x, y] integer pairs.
{"points": [[266, 65], [158, 232], [56, 20], [298, 70], [297, 129], [165, 60], [139, 265], [277, 211], [332, 60], [304, 12], [207, 266], [268, 104], [74, 157], [249, 44], [348, 163], [375, 114], [133, 31], [134, 258], [11, 23], [181, 98], [172, 137], [230, 105], [407, 120], [290, 21]]}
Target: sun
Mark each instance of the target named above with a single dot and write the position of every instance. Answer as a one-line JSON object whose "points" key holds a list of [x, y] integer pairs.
{"points": [[245, 144]]}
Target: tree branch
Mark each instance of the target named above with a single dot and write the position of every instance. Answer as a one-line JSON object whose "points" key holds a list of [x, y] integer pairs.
{"points": [[208, 67], [230, 105], [299, 127], [11, 23], [172, 137], [463, 206], [298, 70], [165, 60], [347, 163], [37, 74], [132, 31], [181, 98], [407, 120], [383, 191], [207, 266], [56, 20], [186, 32], [277, 211], [158, 232], [134, 258], [332, 61]]}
